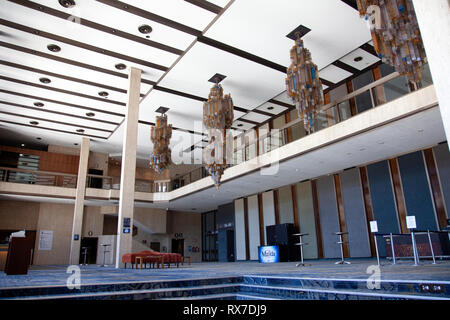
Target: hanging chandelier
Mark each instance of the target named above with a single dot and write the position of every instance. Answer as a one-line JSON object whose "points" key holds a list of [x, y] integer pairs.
{"points": [[217, 118], [303, 84], [396, 35], [160, 135]]}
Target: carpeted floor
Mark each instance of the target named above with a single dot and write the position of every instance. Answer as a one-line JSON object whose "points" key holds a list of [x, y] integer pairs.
{"points": [[318, 269]]}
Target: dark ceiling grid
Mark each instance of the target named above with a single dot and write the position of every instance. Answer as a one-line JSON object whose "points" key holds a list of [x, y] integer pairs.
{"points": [[97, 26], [206, 5], [58, 112], [82, 95], [81, 45]]}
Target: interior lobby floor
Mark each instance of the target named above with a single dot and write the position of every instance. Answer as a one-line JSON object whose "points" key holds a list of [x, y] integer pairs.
{"points": [[317, 269]]}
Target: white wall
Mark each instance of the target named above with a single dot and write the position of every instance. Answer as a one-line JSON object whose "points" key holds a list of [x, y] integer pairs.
{"points": [[253, 226], [239, 223]]}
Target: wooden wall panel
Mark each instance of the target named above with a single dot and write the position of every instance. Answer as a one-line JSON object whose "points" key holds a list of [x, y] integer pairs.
{"points": [[276, 206], [247, 241], [261, 219], [399, 197], [368, 206], [435, 187], [317, 218], [341, 213]]}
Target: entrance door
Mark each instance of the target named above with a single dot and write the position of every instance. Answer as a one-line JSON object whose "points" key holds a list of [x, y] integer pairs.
{"points": [[96, 183], [178, 246], [91, 245]]}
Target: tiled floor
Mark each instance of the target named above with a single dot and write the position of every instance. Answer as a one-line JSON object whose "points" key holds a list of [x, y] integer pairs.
{"points": [[92, 274]]}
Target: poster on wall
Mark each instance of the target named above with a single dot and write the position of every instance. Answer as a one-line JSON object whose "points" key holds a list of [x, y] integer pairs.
{"points": [[45, 240]]}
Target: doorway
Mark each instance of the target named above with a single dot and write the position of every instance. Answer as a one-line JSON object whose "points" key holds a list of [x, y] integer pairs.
{"points": [[178, 246], [91, 245], [95, 182]]}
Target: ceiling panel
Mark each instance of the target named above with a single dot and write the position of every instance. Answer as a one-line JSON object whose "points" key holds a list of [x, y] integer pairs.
{"points": [[334, 74], [367, 59], [258, 35], [123, 21], [250, 84], [75, 53], [55, 107], [253, 116], [271, 108], [83, 34]]}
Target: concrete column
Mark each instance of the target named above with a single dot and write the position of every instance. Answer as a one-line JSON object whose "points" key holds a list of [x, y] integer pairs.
{"points": [[434, 23], [128, 171], [79, 202]]}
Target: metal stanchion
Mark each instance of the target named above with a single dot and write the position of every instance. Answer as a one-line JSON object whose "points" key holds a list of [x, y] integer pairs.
{"points": [[416, 256], [431, 246], [376, 248], [392, 248]]}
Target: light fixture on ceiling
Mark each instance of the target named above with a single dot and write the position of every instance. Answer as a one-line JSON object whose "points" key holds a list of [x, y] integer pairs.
{"points": [[270, 108], [38, 138], [103, 94], [358, 59], [396, 37], [217, 118], [160, 135], [302, 82], [80, 130], [34, 123], [90, 114], [145, 29], [120, 66], [240, 125], [75, 144], [67, 3], [38, 104], [22, 145], [45, 80], [54, 48]]}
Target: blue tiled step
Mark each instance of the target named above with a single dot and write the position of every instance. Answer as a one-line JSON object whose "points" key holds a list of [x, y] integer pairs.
{"points": [[296, 293], [115, 288], [149, 294], [415, 288]]}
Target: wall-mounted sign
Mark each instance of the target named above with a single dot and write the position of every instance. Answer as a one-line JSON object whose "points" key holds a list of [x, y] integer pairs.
{"points": [[45, 240], [373, 226], [411, 222], [178, 235], [126, 230], [269, 254], [76, 237], [126, 222]]}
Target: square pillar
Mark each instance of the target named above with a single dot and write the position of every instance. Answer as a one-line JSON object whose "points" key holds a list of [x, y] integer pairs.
{"points": [[79, 202], [128, 171]]}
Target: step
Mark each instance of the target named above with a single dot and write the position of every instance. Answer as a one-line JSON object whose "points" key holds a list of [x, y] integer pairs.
{"points": [[398, 287], [148, 294], [305, 293], [91, 289]]}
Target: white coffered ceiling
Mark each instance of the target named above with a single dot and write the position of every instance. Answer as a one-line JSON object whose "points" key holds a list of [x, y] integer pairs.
{"points": [[190, 41]]}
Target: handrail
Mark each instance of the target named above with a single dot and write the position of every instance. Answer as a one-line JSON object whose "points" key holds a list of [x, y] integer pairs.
{"points": [[38, 172]]}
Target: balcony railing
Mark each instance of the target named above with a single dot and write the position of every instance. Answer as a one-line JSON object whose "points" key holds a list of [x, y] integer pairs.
{"points": [[42, 178]]}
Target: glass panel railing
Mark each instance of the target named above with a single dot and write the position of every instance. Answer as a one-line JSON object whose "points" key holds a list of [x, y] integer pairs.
{"points": [[42, 178]]}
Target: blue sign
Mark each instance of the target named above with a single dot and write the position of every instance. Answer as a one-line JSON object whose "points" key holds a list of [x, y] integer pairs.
{"points": [[126, 230], [269, 254]]}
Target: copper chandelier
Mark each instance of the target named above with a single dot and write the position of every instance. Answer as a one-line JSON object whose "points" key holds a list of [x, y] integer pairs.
{"points": [[217, 118], [396, 35], [303, 84], [160, 135]]}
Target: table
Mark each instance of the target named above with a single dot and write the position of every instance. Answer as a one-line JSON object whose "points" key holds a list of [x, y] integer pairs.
{"points": [[300, 244], [158, 259]]}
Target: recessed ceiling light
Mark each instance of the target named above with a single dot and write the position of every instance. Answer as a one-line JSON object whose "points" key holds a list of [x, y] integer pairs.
{"points": [[380, 142], [75, 144], [120, 66], [38, 138], [54, 48], [45, 80], [362, 149], [103, 94], [420, 130], [39, 104], [67, 3], [240, 125], [270, 108], [34, 123], [358, 59], [145, 28], [22, 145], [90, 114], [80, 130]]}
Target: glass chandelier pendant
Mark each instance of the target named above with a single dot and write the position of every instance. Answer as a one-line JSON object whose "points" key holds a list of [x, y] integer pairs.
{"points": [[217, 118], [160, 136], [396, 35], [303, 84]]}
